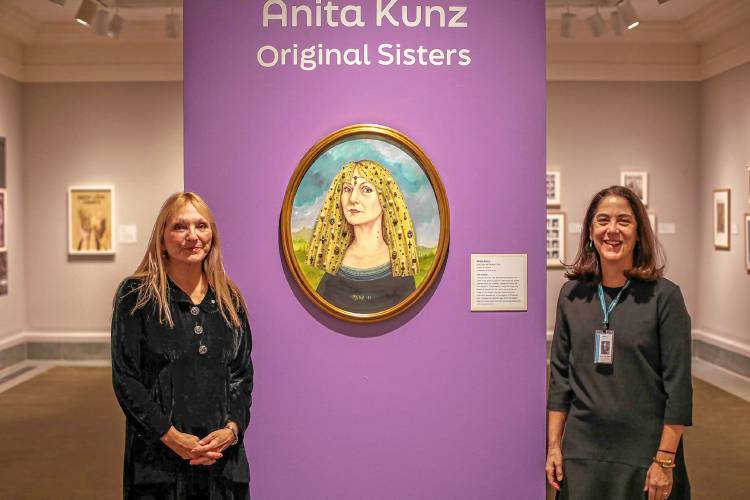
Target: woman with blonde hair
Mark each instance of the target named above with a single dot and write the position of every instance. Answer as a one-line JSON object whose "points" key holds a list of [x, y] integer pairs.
{"points": [[364, 240], [181, 366]]}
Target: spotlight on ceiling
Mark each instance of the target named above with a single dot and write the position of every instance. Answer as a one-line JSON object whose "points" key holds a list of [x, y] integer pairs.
{"points": [[61, 3], [101, 22], [628, 15], [616, 23], [568, 23], [172, 25], [662, 1], [597, 24], [86, 12], [115, 26]]}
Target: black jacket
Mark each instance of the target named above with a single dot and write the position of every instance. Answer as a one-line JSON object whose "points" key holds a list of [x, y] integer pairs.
{"points": [[195, 376]]}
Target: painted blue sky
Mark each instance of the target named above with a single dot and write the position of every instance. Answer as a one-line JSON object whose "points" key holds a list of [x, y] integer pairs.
{"points": [[414, 184]]}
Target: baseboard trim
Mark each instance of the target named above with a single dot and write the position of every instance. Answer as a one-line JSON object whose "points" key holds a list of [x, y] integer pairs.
{"points": [[53, 346]]}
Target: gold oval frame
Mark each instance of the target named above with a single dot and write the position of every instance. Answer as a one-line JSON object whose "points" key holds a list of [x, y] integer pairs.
{"points": [[437, 187]]}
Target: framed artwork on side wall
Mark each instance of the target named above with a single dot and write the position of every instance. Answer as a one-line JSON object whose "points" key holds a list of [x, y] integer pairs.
{"points": [[3, 220], [652, 221], [721, 204], [553, 189], [747, 242], [636, 182], [747, 185], [351, 187], [555, 239], [91, 214]]}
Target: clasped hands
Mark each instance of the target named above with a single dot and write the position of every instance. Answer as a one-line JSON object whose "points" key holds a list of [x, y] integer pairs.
{"points": [[205, 451]]}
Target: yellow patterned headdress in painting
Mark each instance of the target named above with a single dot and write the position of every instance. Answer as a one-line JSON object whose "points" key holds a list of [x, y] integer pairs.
{"points": [[332, 233]]}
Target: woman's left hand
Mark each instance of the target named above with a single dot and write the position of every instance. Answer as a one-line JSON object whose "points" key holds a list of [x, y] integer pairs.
{"points": [[658, 482], [216, 441]]}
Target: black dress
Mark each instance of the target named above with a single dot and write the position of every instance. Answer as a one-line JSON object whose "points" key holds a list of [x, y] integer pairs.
{"points": [[616, 412], [196, 377], [365, 290]]}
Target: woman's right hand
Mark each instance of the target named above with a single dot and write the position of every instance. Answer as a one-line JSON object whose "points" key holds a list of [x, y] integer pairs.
{"points": [[554, 467], [181, 443]]}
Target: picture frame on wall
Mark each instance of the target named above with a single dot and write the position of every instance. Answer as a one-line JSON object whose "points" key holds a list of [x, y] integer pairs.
{"points": [[345, 179], [3, 273], [721, 220], [555, 240], [553, 188], [3, 220], [636, 182], [747, 242], [91, 220], [747, 184]]}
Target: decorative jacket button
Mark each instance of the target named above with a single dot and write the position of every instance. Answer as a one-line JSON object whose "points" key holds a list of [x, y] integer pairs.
{"points": [[198, 329], [203, 349], [194, 310]]}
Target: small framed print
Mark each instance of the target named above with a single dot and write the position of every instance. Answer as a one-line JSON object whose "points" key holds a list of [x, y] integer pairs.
{"points": [[553, 189], [721, 207], [747, 185], [636, 182], [555, 239], [3, 220], [91, 214], [747, 242]]}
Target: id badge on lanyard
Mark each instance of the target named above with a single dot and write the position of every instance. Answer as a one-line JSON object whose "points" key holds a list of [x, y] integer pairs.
{"points": [[604, 339]]}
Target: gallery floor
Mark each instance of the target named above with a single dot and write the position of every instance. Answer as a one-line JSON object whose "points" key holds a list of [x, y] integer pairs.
{"points": [[62, 435]]}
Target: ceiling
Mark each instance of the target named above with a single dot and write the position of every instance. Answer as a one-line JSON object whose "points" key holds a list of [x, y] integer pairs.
{"points": [[648, 10], [44, 11]]}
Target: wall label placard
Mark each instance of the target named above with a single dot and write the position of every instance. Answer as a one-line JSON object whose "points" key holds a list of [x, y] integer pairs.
{"points": [[382, 13], [499, 282]]}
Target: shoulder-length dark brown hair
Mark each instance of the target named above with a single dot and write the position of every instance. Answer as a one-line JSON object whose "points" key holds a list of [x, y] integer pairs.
{"points": [[648, 258]]}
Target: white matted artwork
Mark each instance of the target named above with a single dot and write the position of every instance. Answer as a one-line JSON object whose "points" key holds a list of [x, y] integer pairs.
{"points": [[553, 189], [91, 219], [721, 207], [555, 239], [499, 282], [747, 242], [636, 182], [3, 220]]}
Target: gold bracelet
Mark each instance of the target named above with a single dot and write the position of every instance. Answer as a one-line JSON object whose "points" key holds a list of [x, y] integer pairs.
{"points": [[666, 463]]}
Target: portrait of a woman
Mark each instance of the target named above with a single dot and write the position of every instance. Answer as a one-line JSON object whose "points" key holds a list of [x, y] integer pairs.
{"points": [[181, 367], [364, 240]]}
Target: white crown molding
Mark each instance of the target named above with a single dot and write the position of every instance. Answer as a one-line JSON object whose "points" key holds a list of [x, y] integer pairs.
{"points": [[715, 18]]}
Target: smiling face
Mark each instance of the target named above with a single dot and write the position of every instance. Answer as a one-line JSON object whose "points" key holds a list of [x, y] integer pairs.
{"points": [[187, 236], [359, 201], [614, 231]]}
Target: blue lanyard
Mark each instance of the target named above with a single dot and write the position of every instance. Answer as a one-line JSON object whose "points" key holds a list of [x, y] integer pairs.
{"points": [[608, 310]]}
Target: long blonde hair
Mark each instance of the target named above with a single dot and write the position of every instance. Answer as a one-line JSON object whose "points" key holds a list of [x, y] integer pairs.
{"points": [[333, 234], [152, 270]]}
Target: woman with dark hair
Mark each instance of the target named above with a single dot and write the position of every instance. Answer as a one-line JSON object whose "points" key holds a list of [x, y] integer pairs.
{"points": [[620, 383], [181, 365]]}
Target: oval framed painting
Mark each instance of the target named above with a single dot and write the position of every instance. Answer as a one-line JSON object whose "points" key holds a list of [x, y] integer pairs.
{"points": [[365, 223]]}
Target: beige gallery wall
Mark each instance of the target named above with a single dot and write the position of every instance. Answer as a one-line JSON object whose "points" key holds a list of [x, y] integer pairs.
{"points": [[12, 305], [128, 135], [597, 129], [724, 292]]}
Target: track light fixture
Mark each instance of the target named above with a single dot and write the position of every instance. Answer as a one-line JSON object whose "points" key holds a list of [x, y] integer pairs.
{"points": [[86, 12], [568, 24], [101, 22], [61, 3], [172, 25], [597, 24], [628, 15], [616, 23], [115, 26]]}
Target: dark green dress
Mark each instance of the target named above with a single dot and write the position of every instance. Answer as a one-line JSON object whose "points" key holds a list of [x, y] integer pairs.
{"points": [[616, 412]]}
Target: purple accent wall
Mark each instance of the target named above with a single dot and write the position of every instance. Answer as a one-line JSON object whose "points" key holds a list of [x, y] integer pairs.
{"points": [[438, 403]]}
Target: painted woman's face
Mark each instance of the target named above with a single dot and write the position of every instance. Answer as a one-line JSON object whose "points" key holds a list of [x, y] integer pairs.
{"points": [[614, 230], [188, 236], [359, 200]]}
